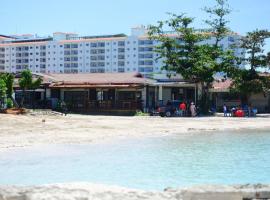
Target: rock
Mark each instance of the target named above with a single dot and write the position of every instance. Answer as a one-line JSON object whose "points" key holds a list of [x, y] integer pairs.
{"points": [[87, 191]]}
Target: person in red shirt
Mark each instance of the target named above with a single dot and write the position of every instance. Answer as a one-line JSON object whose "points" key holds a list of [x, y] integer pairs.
{"points": [[182, 108]]}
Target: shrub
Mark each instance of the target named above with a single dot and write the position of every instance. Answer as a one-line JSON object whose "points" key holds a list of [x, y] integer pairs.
{"points": [[9, 103], [140, 113]]}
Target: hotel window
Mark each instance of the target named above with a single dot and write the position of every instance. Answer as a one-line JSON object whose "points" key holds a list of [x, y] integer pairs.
{"points": [[101, 44], [121, 43], [121, 50], [93, 44], [74, 45]]}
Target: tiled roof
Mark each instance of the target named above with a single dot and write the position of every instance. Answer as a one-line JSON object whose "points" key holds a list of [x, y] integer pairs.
{"points": [[96, 79], [221, 85]]}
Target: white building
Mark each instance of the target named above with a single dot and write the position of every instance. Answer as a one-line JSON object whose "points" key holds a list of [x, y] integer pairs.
{"points": [[69, 53]]}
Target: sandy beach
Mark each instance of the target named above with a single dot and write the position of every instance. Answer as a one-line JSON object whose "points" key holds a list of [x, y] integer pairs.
{"points": [[37, 129]]}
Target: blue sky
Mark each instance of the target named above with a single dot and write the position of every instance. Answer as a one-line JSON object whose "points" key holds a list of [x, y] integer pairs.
{"points": [[94, 17], [91, 17]]}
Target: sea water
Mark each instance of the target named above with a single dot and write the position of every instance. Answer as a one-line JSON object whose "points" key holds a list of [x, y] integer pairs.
{"points": [[150, 163]]}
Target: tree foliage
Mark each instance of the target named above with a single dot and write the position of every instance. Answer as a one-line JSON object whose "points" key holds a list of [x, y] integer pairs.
{"points": [[217, 20], [26, 82], [250, 80], [9, 81], [3, 88], [185, 53]]}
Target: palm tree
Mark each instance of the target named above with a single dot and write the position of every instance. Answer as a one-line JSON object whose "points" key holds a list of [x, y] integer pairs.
{"points": [[26, 82]]}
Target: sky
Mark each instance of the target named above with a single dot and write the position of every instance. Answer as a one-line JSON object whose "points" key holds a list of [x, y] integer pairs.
{"points": [[95, 17]]}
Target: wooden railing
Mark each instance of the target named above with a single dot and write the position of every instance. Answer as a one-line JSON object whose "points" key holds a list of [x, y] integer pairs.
{"points": [[106, 105]]}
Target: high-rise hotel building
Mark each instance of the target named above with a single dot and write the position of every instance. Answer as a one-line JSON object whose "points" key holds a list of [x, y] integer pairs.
{"points": [[70, 53]]}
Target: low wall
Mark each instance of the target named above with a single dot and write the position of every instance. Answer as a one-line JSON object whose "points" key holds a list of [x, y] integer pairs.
{"points": [[86, 191]]}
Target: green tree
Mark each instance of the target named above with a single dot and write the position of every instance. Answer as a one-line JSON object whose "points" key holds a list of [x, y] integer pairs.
{"points": [[3, 90], [9, 80], [27, 82], [250, 80], [217, 20], [184, 53]]}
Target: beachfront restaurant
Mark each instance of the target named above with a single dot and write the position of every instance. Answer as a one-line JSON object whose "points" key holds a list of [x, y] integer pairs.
{"points": [[100, 92], [117, 92]]}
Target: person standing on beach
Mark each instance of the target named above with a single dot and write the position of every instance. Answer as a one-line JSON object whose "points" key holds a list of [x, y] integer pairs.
{"points": [[64, 108], [193, 109], [225, 111], [182, 108]]}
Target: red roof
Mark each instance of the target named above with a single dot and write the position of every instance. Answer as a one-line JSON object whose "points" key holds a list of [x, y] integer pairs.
{"points": [[221, 85]]}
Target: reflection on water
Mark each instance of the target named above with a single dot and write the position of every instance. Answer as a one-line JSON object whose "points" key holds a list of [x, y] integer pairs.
{"points": [[148, 163]]}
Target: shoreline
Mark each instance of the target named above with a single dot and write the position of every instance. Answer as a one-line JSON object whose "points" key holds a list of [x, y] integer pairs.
{"points": [[19, 131]]}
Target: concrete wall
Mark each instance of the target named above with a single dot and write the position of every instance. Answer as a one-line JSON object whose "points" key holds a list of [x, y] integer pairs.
{"points": [[260, 102]]}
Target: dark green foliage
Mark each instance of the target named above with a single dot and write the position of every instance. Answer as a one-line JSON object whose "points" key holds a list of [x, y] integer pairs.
{"points": [[3, 88], [184, 54], [27, 82], [250, 80], [9, 80], [217, 19], [9, 103]]}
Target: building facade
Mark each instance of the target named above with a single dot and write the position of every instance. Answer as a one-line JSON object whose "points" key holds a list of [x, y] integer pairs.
{"points": [[69, 53]]}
